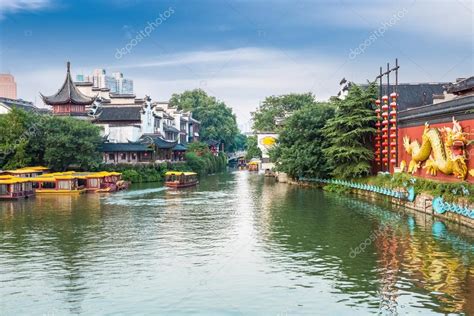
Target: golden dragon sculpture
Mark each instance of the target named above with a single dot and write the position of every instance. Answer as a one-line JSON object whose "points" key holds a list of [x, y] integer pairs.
{"points": [[442, 149]]}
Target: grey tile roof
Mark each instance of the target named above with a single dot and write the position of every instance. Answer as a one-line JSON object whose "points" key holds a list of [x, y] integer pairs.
{"points": [[158, 141], [179, 147], [68, 94], [462, 86], [122, 96], [124, 147], [19, 104], [119, 113], [413, 95], [169, 128]]}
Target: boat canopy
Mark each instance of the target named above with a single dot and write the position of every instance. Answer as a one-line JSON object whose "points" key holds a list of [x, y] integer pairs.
{"points": [[179, 173], [13, 180]]}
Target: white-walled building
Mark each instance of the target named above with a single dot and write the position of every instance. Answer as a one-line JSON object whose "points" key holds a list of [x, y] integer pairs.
{"points": [[134, 130]]}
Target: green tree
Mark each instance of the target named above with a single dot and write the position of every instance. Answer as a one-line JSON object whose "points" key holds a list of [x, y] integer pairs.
{"points": [[350, 133], [17, 127], [70, 141], [274, 107], [218, 122], [28, 138], [252, 148], [240, 143], [299, 151]]}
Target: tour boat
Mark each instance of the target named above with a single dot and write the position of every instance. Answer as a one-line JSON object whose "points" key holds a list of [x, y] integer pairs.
{"points": [[180, 179], [27, 181], [103, 182], [58, 183], [13, 188], [28, 172], [253, 165]]}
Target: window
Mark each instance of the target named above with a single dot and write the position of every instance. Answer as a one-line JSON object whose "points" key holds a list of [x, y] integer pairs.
{"points": [[48, 185], [134, 156], [93, 183], [111, 156], [3, 189], [64, 185], [123, 156]]}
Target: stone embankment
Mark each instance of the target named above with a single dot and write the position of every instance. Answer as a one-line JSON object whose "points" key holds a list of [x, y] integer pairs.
{"points": [[423, 203]]}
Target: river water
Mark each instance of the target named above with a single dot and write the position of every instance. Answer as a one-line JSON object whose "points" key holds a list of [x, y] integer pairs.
{"points": [[238, 243]]}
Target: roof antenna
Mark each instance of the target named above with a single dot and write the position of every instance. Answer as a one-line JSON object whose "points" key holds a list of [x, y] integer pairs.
{"points": [[68, 66]]}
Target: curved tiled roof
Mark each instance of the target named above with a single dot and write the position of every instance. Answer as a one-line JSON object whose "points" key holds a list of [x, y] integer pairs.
{"points": [[169, 128], [158, 141], [119, 113], [68, 94], [124, 147]]}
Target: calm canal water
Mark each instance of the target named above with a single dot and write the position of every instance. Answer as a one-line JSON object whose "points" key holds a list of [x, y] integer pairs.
{"points": [[237, 244]]}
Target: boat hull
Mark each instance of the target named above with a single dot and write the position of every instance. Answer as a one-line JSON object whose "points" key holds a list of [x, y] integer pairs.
{"points": [[181, 185], [53, 191]]}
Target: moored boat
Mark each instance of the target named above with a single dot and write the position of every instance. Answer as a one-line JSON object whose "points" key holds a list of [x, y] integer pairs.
{"points": [[58, 183], [13, 188], [79, 182], [180, 179], [103, 182]]}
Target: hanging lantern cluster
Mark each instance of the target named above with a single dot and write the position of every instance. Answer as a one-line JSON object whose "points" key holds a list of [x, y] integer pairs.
{"points": [[378, 135], [393, 129], [385, 131]]}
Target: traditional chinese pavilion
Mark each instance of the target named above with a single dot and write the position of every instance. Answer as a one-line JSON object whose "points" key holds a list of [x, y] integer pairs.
{"points": [[69, 101]]}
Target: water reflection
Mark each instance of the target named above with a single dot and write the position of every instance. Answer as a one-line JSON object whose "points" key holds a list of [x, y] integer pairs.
{"points": [[237, 243], [410, 257]]}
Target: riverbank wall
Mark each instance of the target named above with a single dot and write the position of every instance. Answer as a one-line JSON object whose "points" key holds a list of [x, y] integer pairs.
{"points": [[154, 172], [422, 202]]}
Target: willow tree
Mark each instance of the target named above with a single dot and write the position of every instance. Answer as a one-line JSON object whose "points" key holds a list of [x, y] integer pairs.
{"points": [[350, 134]]}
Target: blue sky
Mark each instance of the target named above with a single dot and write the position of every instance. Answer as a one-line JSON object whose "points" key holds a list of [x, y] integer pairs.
{"points": [[238, 51]]}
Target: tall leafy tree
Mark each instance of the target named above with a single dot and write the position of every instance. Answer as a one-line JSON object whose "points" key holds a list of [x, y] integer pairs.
{"points": [[252, 148], [350, 134], [17, 127], [70, 141], [299, 151], [279, 107], [218, 122], [240, 143], [28, 138]]}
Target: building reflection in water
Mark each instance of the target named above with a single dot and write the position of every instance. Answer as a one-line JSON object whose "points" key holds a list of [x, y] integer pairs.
{"points": [[438, 269], [50, 229], [411, 262]]}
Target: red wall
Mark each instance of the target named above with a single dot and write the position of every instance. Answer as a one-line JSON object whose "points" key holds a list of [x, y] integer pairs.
{"points": [[416, 132]]}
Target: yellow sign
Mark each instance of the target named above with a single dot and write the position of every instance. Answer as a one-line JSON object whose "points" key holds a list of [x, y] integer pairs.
{"points": [[268, 141]]}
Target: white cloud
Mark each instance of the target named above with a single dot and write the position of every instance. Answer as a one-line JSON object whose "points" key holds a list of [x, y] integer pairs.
{"points": [[448, 19], [241, 77], [13, 6]]}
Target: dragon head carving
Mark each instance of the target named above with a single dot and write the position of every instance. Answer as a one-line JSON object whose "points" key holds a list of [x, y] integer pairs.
{"points": [[455, 141], [442, 149]]}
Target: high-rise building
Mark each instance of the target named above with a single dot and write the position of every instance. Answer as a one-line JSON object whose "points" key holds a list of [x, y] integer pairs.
{"points": [[116, 83], [7, 86], [124, 85]]}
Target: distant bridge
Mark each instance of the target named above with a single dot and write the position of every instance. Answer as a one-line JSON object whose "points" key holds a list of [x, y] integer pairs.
{"points": [[235, 156]]}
